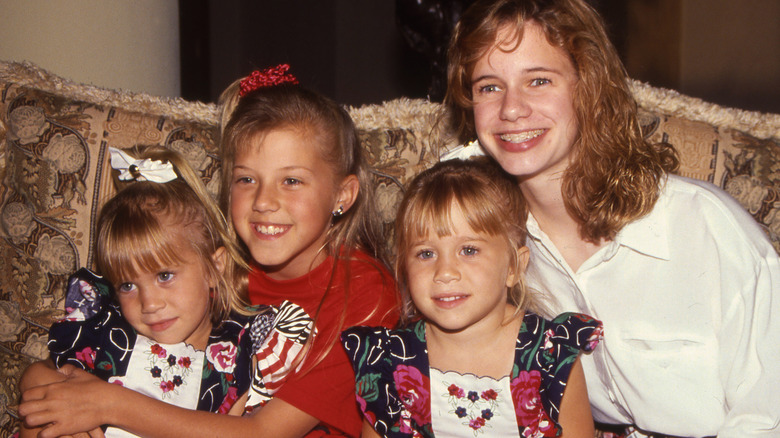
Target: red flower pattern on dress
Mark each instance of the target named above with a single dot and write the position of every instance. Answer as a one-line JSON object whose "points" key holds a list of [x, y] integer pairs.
{"points": [[472, 409], [525, 392], [549, 347], [412, 387], [543, 427], [477, 423], [87, 356], [159, 351], [490, 394], [229, 401], [167, 386], [456, 391], [528, 407], [595, 338], [370, 417], [222, 355]]}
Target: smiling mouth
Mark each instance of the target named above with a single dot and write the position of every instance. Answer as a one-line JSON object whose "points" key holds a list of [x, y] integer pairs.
{"points": [[451, 298], [270, 230], [521, 137]]}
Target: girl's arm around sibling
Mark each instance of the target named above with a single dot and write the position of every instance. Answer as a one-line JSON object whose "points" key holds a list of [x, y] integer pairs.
{"points": [[66, 411]]}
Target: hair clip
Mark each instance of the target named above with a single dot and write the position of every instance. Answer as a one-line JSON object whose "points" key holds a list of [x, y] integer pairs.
{"points": [[267, 78], [141, 170]]}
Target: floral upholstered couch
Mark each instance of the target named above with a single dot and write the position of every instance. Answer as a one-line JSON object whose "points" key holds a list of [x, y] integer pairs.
{"points": [[54, 176]]}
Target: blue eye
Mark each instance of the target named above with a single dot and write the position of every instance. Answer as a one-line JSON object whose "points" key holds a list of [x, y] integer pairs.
{"points": [[425, 254], [125, 287], [487, 89], [469, 251], [165, 276]]}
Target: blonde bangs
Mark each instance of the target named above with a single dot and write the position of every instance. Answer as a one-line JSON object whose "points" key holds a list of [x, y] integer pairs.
{"points": [[141, 244], [430, 199], [491, 203], [434, 213]]}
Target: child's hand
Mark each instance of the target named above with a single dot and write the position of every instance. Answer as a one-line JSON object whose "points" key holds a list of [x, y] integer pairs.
{"points": [[72, 406]]}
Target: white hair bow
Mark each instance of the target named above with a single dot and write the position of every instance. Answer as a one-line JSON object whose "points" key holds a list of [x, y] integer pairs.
{"points": [[464, 152], [141, 170]]}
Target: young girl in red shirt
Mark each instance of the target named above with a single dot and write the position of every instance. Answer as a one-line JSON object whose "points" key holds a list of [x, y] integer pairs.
{"points": [[296, 188]]}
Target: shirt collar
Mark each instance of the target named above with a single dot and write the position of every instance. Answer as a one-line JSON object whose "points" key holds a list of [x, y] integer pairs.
{"points": [[646, 235]]}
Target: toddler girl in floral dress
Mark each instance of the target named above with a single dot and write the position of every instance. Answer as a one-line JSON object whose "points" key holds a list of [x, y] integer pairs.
{"points": [[472, 358], [163, 321]]}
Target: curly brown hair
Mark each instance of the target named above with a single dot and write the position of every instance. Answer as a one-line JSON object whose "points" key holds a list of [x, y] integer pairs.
{"points": [[615, 174]]}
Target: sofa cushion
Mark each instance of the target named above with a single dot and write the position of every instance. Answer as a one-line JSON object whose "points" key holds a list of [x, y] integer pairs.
{"points": [[745, 166], [401, 138], [55, 177]]}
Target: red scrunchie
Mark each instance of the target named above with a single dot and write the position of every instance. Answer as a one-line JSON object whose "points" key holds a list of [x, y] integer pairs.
{"points": [[267, 78]]}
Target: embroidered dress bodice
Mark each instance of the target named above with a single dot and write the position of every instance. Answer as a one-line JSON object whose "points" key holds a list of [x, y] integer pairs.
{"points": [[95, 337], [396, 389], [468, 405]]}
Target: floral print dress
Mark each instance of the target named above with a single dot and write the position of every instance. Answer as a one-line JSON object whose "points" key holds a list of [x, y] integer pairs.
{"points": [[95, 337], [394, 388]]}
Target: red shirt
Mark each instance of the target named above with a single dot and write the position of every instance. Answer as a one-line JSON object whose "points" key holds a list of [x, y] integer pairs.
{"points": [[327, 391]]}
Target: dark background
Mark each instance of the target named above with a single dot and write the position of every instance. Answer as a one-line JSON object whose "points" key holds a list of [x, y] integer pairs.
{"points": [[357, 51]]}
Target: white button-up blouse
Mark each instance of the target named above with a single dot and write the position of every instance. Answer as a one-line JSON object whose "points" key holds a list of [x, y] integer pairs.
{"points": [[690, 300]]}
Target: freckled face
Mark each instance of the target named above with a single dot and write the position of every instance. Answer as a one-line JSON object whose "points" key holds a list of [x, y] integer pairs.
{"points": [[459, 282], [282, 196], [523, 108]]}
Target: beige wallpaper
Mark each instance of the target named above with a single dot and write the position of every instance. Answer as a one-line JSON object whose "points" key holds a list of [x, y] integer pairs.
{"points": [[120, 44]]}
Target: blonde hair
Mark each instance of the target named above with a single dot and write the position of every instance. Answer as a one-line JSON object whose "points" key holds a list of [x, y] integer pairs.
{"points": [[615, 174], [491, 202], [134, 232], [335, 140]]}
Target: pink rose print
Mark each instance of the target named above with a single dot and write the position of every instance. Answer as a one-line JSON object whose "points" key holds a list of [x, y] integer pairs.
{"points": [[368, 414], [548, 344], [594, 338], [223, 356], [87, 356], [405, 423], [542, 428], [525, 390], [413, 387], [87, 290], [229, 401]]}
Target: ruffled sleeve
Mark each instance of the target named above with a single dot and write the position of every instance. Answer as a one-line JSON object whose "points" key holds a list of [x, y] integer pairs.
{"points": [[278, 337], [93, 335], [228, 370], [376, 353], [546, 352]]}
